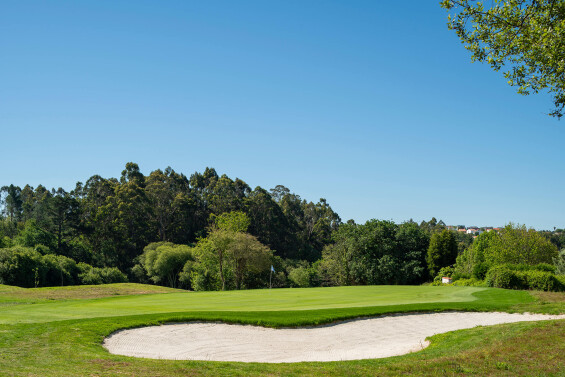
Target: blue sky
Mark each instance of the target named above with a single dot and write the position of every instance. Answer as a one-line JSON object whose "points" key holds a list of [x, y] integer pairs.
{"points": [[374, 106]]}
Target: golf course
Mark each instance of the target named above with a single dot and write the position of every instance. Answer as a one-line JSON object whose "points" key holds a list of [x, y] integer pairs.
{"points": [[60, 331]]}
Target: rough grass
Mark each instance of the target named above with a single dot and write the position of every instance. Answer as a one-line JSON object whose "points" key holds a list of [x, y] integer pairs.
{"points": [[10, 295], [73, 347]]}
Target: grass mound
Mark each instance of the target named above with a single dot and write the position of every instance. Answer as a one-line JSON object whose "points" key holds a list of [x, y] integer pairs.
{"points": [[16, 294]]}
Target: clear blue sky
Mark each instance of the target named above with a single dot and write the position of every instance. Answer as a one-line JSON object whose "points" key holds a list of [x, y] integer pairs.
{"points": [[373, 105]]}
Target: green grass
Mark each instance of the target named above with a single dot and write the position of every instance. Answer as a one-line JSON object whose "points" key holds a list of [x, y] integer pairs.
{"points": [[60, 334], [357, 298]]}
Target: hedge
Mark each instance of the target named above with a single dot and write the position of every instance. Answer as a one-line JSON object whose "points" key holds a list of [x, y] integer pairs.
{"points": [[504, 277]]}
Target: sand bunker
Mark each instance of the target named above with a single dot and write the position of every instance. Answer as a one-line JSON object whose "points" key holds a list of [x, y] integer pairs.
{"points": [[385, 336]]}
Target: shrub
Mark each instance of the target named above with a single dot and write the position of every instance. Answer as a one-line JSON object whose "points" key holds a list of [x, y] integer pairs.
{"points": [[561, 279], [91, 277], [503, 277], [545, 267], [21, 266], [163, 262], [94, 276], [541, 280], [59, 270], [480, 270], [299, 277], [446, 271], [528, 267], [472, 282], [559, 262], [112, 275], [524, 277]]}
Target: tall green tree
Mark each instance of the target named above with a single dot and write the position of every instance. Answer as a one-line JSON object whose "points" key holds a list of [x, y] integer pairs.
{"points": [[64, 213], [10, 197], [226, 259], [412, 243], [97, 219], [169, 197], [270, 225], [442, 251], [129, 210], [524, 38], [248, 256], [212, 254], [341, 259]]}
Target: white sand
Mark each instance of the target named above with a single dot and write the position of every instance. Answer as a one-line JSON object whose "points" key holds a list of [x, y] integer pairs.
{"points": [[357, 339]]}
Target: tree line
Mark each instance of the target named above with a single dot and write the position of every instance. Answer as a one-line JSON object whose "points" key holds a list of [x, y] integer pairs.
{"points": [[211, 232], [107, 222]]}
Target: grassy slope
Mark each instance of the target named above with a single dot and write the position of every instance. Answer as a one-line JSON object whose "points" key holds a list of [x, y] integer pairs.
{"points": [[252, 300], [9, 293], [517, 349]]}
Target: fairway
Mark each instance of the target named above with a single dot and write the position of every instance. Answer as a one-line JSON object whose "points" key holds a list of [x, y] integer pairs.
{"points": [[289, 299]]}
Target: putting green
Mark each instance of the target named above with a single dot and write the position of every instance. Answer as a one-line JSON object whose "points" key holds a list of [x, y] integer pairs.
{"points": [[251, 300]]}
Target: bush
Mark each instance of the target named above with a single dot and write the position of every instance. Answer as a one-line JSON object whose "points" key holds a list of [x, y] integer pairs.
{"points": [[163, 262], [545, 267], [541, 280], [503, 277], [299, 277], [59, 270], [27, 267], [480, 270], [527, 267], [21, 266], [446, 271], [561, 279], [91, 277], [472, 282], [559, 262], [528, 277], [112, 275], [94, 276]]}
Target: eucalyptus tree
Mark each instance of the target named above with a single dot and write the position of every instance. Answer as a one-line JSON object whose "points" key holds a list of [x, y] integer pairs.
{"points": [[172, 205], [524, 38], [270, 225], [11, 199]]}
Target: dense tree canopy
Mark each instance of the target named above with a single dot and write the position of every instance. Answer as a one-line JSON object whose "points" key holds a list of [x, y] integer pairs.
{"points": [[378, 252], [212, 232], [524, 38], [108, 221], [513, 245]]}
